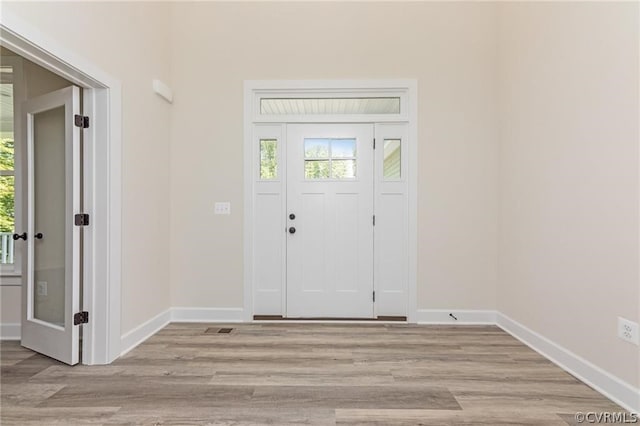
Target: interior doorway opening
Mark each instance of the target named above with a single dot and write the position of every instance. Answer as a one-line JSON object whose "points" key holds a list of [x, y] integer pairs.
{"points": [[101, 190]]}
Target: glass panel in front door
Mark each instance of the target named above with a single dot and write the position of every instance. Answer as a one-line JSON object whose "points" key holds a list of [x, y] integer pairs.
{"points": [[49, 199], [329, 158]]}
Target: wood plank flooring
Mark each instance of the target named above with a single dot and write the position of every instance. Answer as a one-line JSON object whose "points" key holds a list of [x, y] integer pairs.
{"points": [[297, 374]]}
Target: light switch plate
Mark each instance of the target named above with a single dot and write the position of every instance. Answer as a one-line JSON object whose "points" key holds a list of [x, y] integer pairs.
{"points": [[222, 208]]}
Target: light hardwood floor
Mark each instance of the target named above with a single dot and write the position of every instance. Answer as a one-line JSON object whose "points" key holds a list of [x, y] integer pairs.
{"points": [[302, 373]]}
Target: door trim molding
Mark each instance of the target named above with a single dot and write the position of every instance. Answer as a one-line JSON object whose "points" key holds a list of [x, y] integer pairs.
{"points": [[103, 153], [407, 88]]}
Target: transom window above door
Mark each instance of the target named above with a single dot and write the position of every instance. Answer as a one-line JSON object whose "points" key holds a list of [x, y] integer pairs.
{"points": [[330, 158], [350, 101], [306, 106]]}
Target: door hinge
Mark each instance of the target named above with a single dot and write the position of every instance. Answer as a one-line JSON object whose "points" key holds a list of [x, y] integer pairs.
{"points": [[374, 143], [374, 220], [81, 219], [81, 318], [374, 296], [81, 121]]}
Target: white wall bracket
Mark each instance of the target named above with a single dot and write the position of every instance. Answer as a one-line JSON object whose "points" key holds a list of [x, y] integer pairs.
{"points": [[163, 90]]}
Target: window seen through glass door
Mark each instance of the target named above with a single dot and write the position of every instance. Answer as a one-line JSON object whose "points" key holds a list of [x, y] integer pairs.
{"points": [[7, 167]]}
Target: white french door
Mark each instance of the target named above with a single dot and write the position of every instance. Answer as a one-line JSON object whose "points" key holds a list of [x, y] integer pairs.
{"points": [[51, 289], [329, 220]]}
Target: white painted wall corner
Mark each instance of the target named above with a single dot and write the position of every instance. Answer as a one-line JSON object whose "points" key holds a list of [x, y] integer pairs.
{"points": [[144, 331], [138, 335]]}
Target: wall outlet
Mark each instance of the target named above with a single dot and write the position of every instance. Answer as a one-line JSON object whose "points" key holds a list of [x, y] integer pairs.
{"points": [[628, 330], [222, 208], [42, 288]]}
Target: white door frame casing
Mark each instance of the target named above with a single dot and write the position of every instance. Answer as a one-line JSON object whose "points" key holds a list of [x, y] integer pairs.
{"points": [[407, 89], [102, 185]]}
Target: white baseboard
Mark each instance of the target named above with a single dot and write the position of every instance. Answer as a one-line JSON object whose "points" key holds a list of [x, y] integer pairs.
{"points": [[10, 331], [605, 383], [464, 316], [207, 314], [141, 333]]}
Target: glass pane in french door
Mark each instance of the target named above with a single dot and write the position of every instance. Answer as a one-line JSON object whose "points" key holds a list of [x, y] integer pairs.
{"points": [[49, 203]]}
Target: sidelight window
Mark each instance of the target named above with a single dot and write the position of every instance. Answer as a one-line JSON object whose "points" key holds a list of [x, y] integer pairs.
{"points": [[391, 167], [268, 159]]}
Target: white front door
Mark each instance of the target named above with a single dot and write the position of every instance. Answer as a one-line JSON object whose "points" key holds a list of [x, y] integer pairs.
{"points": [[330, 220], [51, 289]]}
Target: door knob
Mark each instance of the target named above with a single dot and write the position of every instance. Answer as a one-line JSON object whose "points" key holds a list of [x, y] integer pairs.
{"points": [[292, 230], [16, 237], [39, 236], [292, 216]]}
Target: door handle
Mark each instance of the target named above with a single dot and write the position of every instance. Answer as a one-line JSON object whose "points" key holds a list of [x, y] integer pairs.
{"points": [[16, 237], [292, 216], [39, 236], [292, 230]]}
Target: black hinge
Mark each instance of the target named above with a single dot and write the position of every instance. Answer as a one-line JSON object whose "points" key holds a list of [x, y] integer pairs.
{"points": [[81, 121], [374, 143], [81, 318], [374, 296], [374, 220], [81, 219]]}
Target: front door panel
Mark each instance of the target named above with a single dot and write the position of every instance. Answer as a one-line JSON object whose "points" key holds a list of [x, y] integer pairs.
{"points": [[330, 220]]}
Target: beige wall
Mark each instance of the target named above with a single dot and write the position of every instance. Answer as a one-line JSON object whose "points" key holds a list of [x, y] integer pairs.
{"points": [[569, 175], [10, 309], [38, 81], [449, 48], [129, 41]]}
